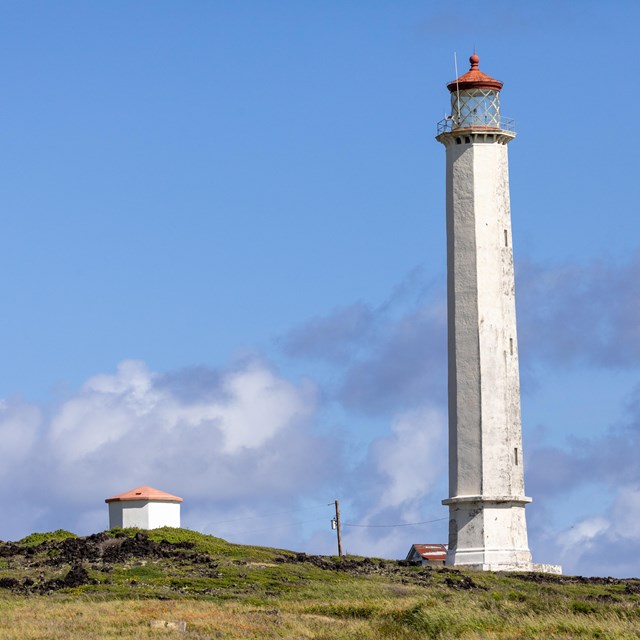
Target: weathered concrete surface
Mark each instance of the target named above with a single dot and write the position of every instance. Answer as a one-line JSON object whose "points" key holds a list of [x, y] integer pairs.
{"points": [[144, 514], [486, 476]]}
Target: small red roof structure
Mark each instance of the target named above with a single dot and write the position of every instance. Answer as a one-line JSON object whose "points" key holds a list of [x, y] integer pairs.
{"points": [[145, 493], [428, 552], [474, 79]]}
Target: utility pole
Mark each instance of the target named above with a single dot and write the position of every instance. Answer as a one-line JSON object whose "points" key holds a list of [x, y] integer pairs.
{"points": [[338, 529]]}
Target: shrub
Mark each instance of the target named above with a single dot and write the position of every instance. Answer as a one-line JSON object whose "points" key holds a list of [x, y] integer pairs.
{"points": [[35, 539]]}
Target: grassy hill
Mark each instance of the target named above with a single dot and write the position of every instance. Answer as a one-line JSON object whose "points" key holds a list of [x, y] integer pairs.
{"points": [[129, 584]]}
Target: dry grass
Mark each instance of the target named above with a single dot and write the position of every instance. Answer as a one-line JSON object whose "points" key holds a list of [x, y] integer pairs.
{"points": [[254, 593], [463, 616]]}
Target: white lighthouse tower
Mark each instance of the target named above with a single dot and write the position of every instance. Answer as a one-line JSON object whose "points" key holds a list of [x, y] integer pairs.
{"points": [[487, 526]]}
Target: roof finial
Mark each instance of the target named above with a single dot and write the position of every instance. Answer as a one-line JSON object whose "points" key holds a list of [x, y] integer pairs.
{"points": [[474, 59]]}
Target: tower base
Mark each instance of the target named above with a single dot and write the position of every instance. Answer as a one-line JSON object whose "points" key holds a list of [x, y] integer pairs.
{"points": [[489, 533], [527, 567]]}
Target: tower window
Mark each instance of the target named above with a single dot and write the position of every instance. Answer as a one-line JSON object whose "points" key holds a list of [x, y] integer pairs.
{"points": [[506, 238], [511, 345], [458, 141], [515, 455], [467, 139]]}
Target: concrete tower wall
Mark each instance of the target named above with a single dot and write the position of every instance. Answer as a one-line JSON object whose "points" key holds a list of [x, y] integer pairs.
{"points": [[486, 478], [484, 390]]}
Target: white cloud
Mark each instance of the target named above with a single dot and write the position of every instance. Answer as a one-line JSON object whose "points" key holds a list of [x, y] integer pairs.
{"points": [[580, 537], [411, 458], [19, 426], [243, 440], [404, 470], [235, 444], [388, 544], [604, 544], [626, 513], [107, 407], [252, 406], [262, 404], [574, 545]]}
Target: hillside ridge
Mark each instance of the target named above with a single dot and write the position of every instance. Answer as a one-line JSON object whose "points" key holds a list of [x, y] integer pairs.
{"points": [[188, 573]]}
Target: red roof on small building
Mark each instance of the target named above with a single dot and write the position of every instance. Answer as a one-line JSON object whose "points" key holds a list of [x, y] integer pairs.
{"points": [[433, 552], [145, 493], [474, 79]]}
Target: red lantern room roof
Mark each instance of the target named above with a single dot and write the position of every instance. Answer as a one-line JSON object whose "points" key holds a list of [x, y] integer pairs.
{"points": [[474, 79]]}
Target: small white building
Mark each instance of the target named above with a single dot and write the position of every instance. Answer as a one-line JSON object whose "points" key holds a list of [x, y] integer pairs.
{"points": [[144, 508]]}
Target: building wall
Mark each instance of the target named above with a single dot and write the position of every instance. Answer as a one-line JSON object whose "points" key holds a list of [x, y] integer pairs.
{"points": [[115, 515], [164, 514], [144, 514]]}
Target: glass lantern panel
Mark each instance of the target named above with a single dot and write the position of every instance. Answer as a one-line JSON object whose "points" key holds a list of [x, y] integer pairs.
{"points": [[476, 108]]}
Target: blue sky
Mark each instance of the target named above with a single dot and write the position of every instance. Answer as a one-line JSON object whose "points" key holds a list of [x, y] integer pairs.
{"points": [[223, 265]]}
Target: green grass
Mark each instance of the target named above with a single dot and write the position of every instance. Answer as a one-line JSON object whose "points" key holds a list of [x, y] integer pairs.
{"points": [[35, 539], [225, 590], [207, 544]]}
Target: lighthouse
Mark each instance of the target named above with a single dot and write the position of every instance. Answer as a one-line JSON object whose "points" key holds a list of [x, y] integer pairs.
{"points": [[487, 525]]}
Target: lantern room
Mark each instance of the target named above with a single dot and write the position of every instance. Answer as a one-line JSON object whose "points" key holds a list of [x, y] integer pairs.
{"points": [[475, 101]]}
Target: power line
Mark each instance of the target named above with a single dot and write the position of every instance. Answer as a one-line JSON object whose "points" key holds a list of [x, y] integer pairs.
{"points": [[324, 506], [404, 524]]}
